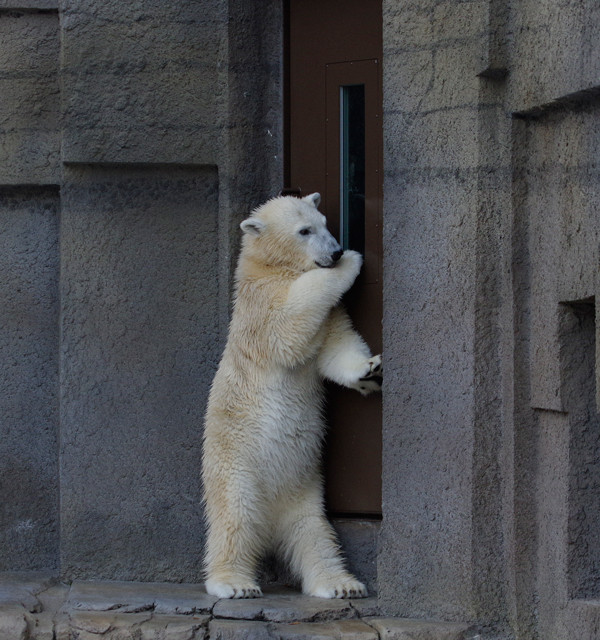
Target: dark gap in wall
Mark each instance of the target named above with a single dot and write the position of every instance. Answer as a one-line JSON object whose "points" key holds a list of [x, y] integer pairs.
{"points": [[578, 358], [576, 102], [19, 12]]}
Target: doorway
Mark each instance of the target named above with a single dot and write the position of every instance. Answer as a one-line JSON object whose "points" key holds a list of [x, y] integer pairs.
{"points": [[334, 146]]}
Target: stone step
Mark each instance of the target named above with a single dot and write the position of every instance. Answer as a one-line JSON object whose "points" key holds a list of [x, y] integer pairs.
{"points": [[38, 607]]}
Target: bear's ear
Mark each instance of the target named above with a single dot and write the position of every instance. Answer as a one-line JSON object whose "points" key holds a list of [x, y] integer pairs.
{"points": [[253, 226], [314, 199]]}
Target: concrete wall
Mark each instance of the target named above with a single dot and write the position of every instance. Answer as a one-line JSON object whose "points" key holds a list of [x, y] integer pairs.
{"points": [[29, 377], [491, 227], [133, 143], [436, 234], [139, 343], [29, 220], [560, 204]]}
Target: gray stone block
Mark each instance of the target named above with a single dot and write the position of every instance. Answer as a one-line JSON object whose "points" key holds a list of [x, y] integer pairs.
{"points": [[140, 626], [21, 589], [13, 623], [424, 561], [130, 597], [29, 110], [29, 263], [562, 206], [407, 25], [358, 539], [141, 81], [139, 350], [405, 629], [540, 75], [236, 630], [286, 606], [337, 629], [438, 141]]}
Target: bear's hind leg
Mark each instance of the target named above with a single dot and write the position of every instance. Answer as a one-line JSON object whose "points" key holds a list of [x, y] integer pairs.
{"points": [[235, 542], [309, 543]]}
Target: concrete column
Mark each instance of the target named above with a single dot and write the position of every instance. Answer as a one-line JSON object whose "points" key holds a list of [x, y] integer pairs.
{"points": [[29, 214], [139, 348]]}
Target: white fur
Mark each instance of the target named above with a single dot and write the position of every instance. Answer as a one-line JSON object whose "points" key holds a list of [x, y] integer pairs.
{"points": [[263, 435]]}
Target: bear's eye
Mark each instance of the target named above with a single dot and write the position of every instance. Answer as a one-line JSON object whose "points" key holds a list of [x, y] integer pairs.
{"points": [[306, 231]]}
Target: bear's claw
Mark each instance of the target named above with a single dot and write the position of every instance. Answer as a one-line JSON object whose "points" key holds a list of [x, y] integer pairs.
{"points": [[232, 590], [349, 588], [374, 377]]}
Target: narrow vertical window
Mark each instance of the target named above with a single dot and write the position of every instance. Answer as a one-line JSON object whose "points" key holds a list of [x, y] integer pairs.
{"points": [[352, 167]]}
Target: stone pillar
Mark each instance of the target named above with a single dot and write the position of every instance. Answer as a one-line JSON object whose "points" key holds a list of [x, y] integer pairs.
{"points": [[447, 208], [29, 215], [139, 349], [162, 158]]}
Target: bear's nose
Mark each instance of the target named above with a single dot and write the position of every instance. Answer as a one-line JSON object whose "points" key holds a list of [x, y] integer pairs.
{"points": [[336, 255]]}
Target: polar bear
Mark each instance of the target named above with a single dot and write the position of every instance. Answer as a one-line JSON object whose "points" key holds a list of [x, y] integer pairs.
{"points": [[263, 488]]}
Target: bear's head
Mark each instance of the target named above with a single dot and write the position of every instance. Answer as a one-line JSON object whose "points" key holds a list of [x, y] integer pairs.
{"points": [[291, 233]]}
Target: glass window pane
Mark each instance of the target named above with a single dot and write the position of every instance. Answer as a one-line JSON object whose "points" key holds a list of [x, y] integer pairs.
{"points": [[352, 169]]}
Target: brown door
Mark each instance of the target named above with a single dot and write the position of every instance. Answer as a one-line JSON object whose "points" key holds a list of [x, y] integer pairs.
{"points": [[334, 146]]}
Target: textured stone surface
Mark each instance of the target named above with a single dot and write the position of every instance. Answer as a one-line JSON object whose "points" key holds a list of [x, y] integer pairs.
{"points": [[139, 626], [140, 81], [127, 597], [35, 607], [559, 205], [29, 310], [22, 588], [446, 163], [29, 110], [236, 630], [338, 629], [540, 74], [358, 539], [284, 607], [139, 349], [562, 205], [431, 150], [13, 623], [396, 629]]}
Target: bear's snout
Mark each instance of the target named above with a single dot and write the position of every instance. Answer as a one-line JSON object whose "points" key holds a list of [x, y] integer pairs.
{"points": [[336, 255]]}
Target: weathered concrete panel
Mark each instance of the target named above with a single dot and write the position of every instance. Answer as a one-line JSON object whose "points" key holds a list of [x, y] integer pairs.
{"points": [[540, 73], [29, 378], [442, 510], [139, 350], [30, 105], [424, 560], [560, 206], [563, 205], [141, 81]]}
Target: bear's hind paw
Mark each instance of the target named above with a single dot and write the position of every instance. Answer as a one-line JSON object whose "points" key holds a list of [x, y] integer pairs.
{"points": [[340, 588], [233, 589]]}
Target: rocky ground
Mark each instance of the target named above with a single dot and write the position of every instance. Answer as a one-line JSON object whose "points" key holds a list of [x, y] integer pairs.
{"points": [[38, 607]]}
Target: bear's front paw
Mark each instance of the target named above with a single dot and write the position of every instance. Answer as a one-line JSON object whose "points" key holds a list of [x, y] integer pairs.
{"points": [[341, 587], [233, 589], [352, 261], [373, 379]]}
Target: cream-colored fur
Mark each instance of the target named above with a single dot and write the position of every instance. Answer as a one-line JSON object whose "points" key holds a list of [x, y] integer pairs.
{"points": [[263, 434]]}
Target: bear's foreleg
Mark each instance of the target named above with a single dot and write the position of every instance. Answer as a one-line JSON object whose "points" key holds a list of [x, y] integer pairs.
{"points": [[236, 540], [345, 357], [294, 325], [309, 543]]}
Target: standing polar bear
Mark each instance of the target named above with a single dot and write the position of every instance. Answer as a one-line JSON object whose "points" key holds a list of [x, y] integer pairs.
{"points": [[262, 442]]}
